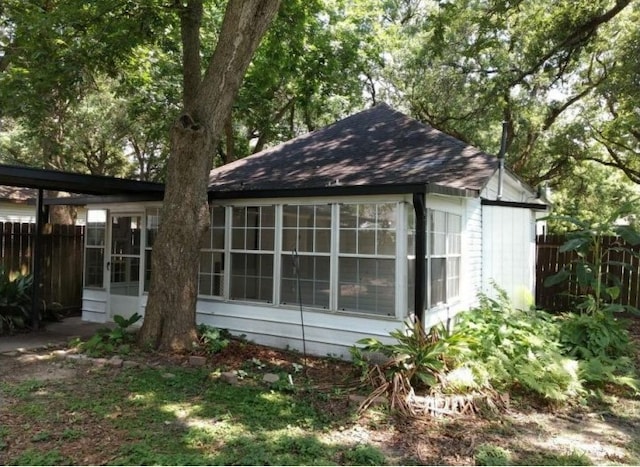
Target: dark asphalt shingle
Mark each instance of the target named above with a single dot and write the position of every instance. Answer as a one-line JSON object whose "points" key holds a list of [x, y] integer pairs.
{"points": [[378, 146]]}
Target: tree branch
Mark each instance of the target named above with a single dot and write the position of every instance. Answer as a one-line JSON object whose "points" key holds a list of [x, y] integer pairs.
{"points": [[191, 19]]}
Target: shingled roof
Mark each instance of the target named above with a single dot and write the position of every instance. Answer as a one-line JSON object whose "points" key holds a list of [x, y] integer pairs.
{"points": [[376, 147]]}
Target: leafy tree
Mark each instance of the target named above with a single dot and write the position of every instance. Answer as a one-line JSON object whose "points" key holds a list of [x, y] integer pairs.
{"points": [[207, 100], [470, 64]]}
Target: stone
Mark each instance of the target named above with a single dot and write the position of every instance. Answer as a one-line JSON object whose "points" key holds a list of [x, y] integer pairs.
{"points": [[130, 364], [100, 361], [270, 378], [229, 377], [197, 360], [168, 375], [115, 362]]}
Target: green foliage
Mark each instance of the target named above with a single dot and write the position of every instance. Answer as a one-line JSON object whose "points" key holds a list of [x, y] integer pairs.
{"points": [[595, 274], [15, 298], [213, 340], [603, 347], [422, 357], [488, 454], [515, 348], [364, 455], [109, 340]]}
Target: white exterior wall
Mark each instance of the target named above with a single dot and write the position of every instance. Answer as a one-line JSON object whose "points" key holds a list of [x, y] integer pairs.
{"points": [[26, 213], [509, 253], [509, 242], [332, 332]]}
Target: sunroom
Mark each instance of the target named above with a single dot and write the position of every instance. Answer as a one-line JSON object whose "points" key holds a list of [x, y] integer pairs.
{"points": [[313, 244]]}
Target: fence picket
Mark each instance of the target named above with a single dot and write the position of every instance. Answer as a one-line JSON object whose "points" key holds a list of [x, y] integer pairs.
{"points": [[62, 265], [550, 260]]}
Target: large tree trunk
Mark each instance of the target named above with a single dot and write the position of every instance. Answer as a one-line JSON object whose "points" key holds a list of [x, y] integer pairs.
{"points": [[169, 322]]}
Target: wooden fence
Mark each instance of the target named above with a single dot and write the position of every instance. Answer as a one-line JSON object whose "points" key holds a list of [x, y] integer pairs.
{"points": [[559, 297], [62, 259]]}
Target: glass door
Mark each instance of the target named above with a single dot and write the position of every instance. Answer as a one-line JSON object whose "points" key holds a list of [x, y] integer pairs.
{"points": [[124, 264]]}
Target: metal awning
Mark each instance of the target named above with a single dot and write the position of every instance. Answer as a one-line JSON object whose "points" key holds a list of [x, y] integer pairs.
{"points": [[54, 180]]}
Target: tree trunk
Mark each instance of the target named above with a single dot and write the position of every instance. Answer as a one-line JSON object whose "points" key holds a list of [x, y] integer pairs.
{"points": [[169, 322]]}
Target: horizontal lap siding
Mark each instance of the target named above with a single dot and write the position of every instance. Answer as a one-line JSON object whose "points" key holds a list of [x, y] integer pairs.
{"points": [[325, 333]]}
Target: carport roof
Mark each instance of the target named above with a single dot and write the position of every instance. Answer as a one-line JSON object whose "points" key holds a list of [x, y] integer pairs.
{"points": [[98, 185]]}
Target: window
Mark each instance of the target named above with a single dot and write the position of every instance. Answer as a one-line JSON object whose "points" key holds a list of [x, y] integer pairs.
{"points": [[366, 259], [306, 255], [94, 254], [445, 251], [212, 258], [252, 251], [153, 222]]}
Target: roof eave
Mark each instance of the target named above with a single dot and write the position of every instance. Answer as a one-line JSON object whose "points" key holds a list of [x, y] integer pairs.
{"points": [[337, 190]]}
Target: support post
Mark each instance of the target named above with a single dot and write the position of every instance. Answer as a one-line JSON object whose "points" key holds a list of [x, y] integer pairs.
{"points": [[41, 215], [419, 206]]}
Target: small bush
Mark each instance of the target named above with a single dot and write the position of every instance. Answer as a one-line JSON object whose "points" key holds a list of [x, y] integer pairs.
{"points": [[364, 455], [515, 348], [488, 454], [213, 340], [15, 298], [108, 341]]}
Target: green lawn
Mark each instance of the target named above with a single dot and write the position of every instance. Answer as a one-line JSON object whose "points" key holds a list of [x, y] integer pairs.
{"points": [[178, 416]]}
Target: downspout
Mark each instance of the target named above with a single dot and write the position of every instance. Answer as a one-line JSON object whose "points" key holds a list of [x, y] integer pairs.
{"points": [[503, 149], [419, 206], [41, 214]]}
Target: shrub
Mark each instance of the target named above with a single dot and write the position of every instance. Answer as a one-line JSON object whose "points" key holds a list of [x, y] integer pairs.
{"points": [[15, 297], [511, 348], [213, 339], [106, 341]]}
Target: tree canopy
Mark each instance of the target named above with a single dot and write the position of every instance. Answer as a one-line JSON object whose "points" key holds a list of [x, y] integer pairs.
{"points": [[95, 86]]}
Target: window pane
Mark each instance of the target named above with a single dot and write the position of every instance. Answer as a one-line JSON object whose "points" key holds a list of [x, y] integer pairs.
{"points": [[311, 276], [94, 267], [96, 227], [367, 285], [438, 281], [323, 216], [366, 241], [147, 269], [323, 241], [125, 235], [153, 222], [218, 214], [125, 275], [290, 216], [305, 240], [251, 277], [438, 243], [349, 216], [267, 236], [306, 216], [386, 242], [348, 241], [453, 278], [237, 239], [268, 216]]}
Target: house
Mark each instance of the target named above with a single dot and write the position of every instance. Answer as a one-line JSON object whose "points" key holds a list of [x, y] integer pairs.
{"points": [[336, 235], [18, 205]]}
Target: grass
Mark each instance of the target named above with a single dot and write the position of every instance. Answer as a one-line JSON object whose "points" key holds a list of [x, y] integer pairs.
{"points": [[151, 416]]}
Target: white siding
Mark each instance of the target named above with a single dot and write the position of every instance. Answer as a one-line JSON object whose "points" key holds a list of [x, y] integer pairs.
{"points": [[472, 250], [509, 253], [325, 333], [94, 305], [512, 189], [26, 213]]}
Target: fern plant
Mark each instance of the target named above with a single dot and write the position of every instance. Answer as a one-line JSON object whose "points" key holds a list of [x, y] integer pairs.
{"points": [[15, 297]]}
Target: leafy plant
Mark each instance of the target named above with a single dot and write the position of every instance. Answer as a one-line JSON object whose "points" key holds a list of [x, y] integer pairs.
{"points": [[592, 270], [512, 348], [15, 296], [213, 339], [488, 454], [421, 357], [109, 340]]}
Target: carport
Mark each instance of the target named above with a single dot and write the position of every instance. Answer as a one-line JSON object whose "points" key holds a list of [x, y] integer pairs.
{"points": [[97, 188]]}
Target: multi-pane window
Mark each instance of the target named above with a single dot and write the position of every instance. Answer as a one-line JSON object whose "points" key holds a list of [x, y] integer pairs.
{"points": [[252, 253], [445, 251], [306, 255], [94, 254], [366, 258], [153, 222], [212, 258]]}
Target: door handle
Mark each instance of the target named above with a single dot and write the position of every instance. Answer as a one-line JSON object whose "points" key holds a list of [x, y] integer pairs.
{"points": [[108, 265]]}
